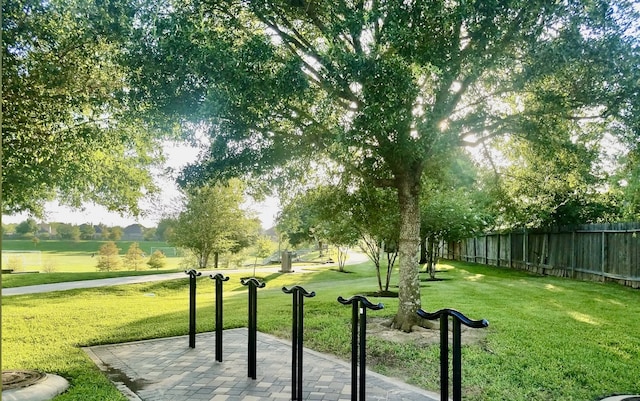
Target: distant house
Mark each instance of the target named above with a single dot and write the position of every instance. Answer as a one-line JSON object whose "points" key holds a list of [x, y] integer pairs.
{"points": [[134, 232], [98, 234], [45, 228], [271, 233]]}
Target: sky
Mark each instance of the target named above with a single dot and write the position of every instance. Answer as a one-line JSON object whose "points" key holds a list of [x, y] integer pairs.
{"points": [[178, 155]]}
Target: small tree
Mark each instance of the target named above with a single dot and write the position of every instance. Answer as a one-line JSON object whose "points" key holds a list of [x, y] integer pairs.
{"points": [[157, 260], [264, 248], [68, 232], [116, 233], [87, 231], [134, 257], [27, 227], [212, 221], [108, 257]]}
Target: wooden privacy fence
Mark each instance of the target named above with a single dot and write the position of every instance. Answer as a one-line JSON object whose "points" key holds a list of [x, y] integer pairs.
{"points": [[588, 252]]}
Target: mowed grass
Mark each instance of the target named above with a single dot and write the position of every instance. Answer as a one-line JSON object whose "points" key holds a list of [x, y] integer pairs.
{"points": [[70, 256], [548, 339]]}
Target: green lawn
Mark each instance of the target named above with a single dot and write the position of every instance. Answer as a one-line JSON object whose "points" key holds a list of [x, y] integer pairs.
{"points": [[549, 338], [71, 256]]}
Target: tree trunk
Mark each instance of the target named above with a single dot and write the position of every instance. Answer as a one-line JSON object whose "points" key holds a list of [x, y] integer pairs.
{"points": [[216, 259], [203, 260], [391, 260], [423, 250], [409, 282], [431, 263]]}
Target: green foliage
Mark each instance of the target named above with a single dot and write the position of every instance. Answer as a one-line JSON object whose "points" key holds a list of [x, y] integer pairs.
{"points": [[165, 229], [133, 259], [115, 233], [367, 217], [454, 203], [264, 247], [149, 234], [68, 231], [87, 231], [108, 257], [28, 226], [8, 229], [212, 221], [67, 131], [157, 260], [556, 183]]}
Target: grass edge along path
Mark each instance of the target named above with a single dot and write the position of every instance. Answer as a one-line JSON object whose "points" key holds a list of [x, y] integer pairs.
{"points": [[549, 338]]}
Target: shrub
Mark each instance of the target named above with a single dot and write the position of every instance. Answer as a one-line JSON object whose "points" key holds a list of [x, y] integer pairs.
{"points": [[157, 260]]}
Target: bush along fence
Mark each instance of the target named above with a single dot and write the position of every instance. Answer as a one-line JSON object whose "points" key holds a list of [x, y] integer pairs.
{"points": [[599, 252]]}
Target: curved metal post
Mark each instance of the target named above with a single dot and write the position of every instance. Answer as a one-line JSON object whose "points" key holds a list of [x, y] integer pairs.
{"points": [[253, 285], [359, 305], [458, 320], [219, 278], [192, 305], [299, 294]]}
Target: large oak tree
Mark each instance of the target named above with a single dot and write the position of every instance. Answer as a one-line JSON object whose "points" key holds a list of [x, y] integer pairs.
{"points": [[382, 87]]}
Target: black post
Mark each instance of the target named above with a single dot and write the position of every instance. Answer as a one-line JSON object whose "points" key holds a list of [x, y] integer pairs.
{"points": [[458, 319], [444, 357], [297, 333], [457, 360], [219, 278], [253, 284], [192, 306], [359, 305], [354, 350]]}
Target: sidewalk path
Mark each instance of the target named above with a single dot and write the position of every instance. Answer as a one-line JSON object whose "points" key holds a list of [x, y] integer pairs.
{"points": [[72, 285]]}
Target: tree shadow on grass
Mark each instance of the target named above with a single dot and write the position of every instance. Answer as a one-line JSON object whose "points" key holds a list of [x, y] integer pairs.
{"points": [[381, 294]]}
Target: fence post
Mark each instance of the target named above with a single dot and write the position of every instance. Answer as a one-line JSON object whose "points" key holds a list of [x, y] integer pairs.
{"points": [[219, 278], [603, 260], [299, 294], [253, 285], [458, 319], [486, 249], [359, 306], [573, 254], [192, 305]]}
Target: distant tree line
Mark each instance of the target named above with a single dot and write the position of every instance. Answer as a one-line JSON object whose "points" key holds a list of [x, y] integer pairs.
{"points": [[30, 228]]}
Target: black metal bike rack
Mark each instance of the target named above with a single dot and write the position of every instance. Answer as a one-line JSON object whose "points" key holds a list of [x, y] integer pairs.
{"points": [[192, 306], [458, 319], [253, 285], [299, 294], [360, 305], [219, 278]]}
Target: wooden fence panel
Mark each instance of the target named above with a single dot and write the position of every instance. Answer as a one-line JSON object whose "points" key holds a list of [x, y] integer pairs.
{"points": [[517, 250], [592, 252], [492, 248], [537, 250], [561, 249], [480, 252], [589, 247]]}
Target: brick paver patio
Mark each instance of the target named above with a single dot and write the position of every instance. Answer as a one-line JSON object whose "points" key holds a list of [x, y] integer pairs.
{"points": [[168, 370]]}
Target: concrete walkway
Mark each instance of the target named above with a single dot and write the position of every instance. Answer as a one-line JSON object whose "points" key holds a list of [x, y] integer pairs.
{"points": [[72, 285], [168, 370]]}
